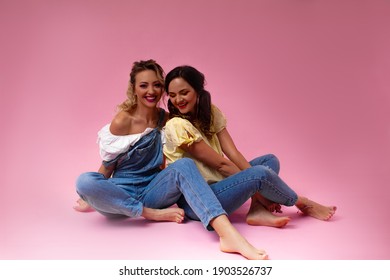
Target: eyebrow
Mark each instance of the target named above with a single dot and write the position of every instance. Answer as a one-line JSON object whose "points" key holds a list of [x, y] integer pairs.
{"points": [[180, 91], [154, 82]]}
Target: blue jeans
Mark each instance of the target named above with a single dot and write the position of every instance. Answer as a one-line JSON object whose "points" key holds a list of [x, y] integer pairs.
{"points": [[181, 178], [262, 177]]}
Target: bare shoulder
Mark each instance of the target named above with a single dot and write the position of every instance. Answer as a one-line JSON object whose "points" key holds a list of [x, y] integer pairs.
{"points": [[121, 123]]}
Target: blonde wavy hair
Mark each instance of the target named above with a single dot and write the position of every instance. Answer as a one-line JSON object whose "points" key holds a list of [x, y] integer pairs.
{"points": [[131, 102]]}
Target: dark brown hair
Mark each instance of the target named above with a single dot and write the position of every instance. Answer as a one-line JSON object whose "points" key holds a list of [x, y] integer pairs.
{"points": [[202, 119]]}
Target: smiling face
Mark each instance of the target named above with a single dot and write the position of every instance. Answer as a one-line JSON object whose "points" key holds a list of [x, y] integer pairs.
{"points": [[182, 95], [148, 88]]}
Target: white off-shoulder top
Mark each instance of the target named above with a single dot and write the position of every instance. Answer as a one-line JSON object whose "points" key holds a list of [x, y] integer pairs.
{"points": [[110, 145]]}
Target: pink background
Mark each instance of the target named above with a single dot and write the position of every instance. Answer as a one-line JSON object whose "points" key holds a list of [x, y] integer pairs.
{"points": [[306, 80]]}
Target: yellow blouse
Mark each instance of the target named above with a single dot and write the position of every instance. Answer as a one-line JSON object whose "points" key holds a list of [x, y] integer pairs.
{"points": [[180, 131]]}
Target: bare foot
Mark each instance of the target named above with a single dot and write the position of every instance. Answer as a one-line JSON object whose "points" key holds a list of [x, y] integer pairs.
{"points": [[82, 206], [268, 204], [314, 209], [258, 215], [231, 241], [164, 215], [236, 243]]}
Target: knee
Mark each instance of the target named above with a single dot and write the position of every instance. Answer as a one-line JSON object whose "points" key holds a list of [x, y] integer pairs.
{"points": [[85, 182], [260, 171], [274, 159], [274, 163], [183, 164]]}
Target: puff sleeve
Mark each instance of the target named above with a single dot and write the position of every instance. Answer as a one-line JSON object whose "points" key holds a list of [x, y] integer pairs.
{"points": [[111, 146], [179, 132]]}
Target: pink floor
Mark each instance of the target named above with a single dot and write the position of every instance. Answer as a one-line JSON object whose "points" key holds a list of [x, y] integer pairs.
{"points": [[306, 80], [46, 228]]}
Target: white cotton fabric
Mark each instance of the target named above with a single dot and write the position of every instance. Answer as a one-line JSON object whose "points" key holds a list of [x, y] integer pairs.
{"points": [[110, 145]]}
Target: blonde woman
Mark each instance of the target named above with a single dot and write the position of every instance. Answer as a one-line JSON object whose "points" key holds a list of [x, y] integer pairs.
{"points": [[131, 181]]}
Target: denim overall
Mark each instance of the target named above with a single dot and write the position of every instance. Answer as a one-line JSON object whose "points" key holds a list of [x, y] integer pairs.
{"points": [[138, 182]]}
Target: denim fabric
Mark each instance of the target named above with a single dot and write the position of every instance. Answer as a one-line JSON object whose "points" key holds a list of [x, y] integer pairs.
{"points": [[138, 181], [262, 177]]}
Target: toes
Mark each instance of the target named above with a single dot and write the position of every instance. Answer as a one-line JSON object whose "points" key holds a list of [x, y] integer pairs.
{"points": [[179, 219], [261, 252], [264, 256]]}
